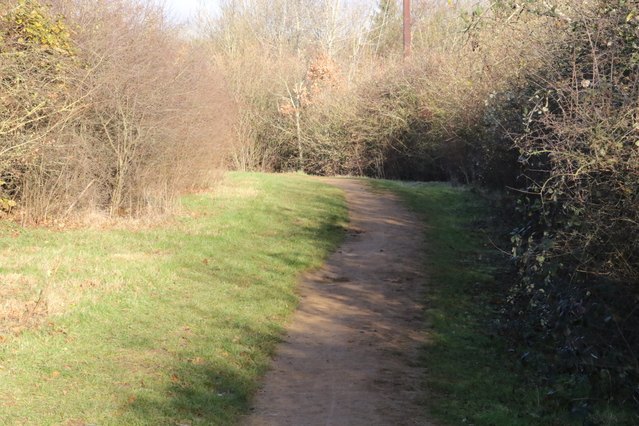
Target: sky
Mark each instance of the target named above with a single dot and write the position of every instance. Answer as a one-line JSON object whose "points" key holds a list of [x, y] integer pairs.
{"points": [[185, 8]]}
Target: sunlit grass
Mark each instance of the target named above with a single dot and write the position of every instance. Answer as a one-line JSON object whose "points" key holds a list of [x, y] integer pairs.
{"points": [[165, 325]]}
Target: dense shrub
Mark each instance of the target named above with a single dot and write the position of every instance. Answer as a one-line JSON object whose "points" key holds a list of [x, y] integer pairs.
{"points": [[39, 70], [104, 107], [577, 248], [438, 116]]}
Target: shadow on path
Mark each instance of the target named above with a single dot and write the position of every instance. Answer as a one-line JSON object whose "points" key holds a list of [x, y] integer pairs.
{"points": [[350, 353]]}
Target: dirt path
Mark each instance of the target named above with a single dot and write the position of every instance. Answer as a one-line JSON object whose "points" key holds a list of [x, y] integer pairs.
{"points": [[348, 356]]}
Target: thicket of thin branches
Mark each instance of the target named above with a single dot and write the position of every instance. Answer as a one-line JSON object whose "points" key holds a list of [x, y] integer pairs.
{"points": [[105, 107], [371, 112]]}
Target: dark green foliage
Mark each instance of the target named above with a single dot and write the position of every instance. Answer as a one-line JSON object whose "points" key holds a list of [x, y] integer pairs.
{"points": [[578, 243]]}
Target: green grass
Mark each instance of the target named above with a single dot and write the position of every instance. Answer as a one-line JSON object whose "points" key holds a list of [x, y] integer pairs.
{"points": [[175, 324], [171, 324], [474, 376]]}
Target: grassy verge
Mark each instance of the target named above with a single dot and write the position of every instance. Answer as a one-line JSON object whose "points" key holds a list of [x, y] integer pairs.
{"points": [[475, 376], [166, 325]]}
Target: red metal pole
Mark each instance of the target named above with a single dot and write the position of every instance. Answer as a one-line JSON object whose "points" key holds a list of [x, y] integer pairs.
{"points": [[407, 25]]}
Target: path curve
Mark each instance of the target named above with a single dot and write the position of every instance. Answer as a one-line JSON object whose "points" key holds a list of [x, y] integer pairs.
{"points": [[348, 356]]}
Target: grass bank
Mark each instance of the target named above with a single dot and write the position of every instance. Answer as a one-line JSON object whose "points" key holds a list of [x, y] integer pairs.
{"points": [[170, 324], [474, 375]]}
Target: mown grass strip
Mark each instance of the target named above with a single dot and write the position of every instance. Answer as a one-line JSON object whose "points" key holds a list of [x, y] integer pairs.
{"points": [[167, 325], [474, 375]]}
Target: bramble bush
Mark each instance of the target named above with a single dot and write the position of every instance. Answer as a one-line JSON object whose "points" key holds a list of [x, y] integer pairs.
{"points": [[577, 248]]}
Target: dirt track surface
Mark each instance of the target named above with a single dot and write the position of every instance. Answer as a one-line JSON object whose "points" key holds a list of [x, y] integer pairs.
{"points": [[349, 352]]}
